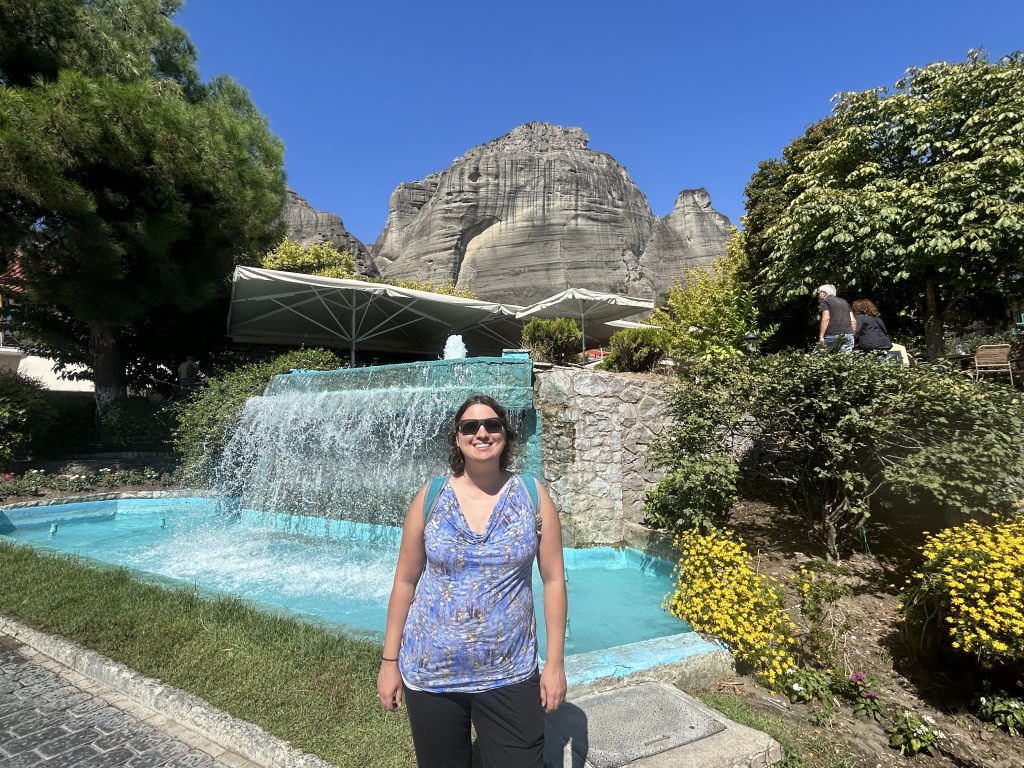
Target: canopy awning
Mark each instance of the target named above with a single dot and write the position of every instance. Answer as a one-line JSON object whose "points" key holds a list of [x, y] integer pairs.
{"points": [[273, 307]]}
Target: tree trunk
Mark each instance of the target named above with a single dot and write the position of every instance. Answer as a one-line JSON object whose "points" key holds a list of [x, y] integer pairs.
{"points": [[107, 370], [933, 324]]}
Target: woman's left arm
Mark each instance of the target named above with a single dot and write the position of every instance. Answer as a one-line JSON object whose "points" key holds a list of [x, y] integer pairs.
{"points": [[552, 574]]}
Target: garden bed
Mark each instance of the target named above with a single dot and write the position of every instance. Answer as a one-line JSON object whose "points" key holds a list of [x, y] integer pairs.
{"points": [[871, 644]]}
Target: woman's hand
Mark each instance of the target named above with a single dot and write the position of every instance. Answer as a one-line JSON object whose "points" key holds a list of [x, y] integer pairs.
{"points": [[552, 687], [389, 686]]}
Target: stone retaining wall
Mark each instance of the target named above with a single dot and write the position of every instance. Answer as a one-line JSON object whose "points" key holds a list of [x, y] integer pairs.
{"points": [[597, 428]]}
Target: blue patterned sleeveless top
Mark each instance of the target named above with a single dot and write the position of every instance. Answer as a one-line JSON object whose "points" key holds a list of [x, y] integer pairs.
{"points": [[471, 625]]}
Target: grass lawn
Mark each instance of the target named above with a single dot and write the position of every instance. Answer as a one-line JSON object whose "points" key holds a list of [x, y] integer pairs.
{"points": [[307, 686]]}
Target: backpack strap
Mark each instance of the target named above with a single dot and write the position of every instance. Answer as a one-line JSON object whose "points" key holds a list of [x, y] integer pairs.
{"points": [[436, 485], [434, 488], [530, 484]]}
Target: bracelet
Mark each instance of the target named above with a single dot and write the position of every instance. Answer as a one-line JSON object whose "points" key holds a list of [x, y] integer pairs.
{"points": [[385, 658]]}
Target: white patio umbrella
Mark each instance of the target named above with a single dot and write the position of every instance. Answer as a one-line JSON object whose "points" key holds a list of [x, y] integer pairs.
{"points": [[273, 307], [588, 306]]}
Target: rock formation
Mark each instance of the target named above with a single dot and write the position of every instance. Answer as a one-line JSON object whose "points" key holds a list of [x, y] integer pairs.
{"points": [[692, 234], [536, 211], [307, 225]]}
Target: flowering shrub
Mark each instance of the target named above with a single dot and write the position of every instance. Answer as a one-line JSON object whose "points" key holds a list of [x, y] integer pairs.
{"points": [[912, 734], [1006, 712], [969, 591], [719, 592], [863, 692], [36, 482]]}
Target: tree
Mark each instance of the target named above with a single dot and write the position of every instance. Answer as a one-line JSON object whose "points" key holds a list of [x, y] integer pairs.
{"points": [[316, 259], [325, 260], [914, 194], [126, 185]]}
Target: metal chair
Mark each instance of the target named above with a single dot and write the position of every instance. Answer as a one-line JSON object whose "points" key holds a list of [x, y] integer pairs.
{"points": [[992, 359]]}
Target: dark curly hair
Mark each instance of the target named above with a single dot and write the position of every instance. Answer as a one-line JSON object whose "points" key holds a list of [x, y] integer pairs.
{"points": [[865, 307], [456, 460]]}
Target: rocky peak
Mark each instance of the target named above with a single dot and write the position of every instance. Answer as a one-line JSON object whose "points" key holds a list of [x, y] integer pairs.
{"points": [[533, 137], [536, 211], [305, 224]]}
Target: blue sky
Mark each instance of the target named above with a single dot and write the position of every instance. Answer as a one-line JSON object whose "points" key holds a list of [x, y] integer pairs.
{"points": [[369, 95]]}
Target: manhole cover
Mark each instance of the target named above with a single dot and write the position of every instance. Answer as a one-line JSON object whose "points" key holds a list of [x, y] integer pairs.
{"points": [[616, 727]]}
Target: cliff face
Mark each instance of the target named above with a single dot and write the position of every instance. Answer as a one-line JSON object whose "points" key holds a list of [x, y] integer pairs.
{"points": [[536, 211], [307, 225], [691, 235]]}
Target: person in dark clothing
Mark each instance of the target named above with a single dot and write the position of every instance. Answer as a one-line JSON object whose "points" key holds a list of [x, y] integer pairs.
{"points": [[871, 334], [835, 331]]}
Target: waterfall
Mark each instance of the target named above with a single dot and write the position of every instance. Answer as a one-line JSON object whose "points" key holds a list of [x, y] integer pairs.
{"points": [[356, 443]]}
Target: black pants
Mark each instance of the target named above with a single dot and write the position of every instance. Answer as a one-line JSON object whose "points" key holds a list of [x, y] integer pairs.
{"points": [[509, 726]]}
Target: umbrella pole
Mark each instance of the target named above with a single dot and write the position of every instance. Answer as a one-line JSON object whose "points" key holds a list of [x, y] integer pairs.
{"points": [[352, 338], [583, 333]]}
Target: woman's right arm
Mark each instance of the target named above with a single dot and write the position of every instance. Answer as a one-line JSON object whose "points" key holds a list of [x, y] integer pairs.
{"points": [[412, 557]]}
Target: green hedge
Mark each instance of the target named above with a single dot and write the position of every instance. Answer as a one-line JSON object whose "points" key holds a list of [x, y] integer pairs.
{"points": [[24, 412], [136, 424], [205, 418], [636, 350], [839, 433], [552, 341], [74, 428]]}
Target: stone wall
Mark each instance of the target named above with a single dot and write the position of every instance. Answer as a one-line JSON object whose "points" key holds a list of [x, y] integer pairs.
{"points": [[597, 428]]}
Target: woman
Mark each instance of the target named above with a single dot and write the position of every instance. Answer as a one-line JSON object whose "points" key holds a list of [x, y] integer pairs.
{"points": [[870, 334], [460, 644]]}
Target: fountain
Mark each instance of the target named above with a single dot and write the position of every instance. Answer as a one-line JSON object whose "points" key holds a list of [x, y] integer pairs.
{"points": [[312, 482], [356, 443]]}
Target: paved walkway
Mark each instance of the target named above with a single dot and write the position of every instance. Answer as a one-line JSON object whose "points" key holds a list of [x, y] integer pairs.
{"points": [[54, 717]]}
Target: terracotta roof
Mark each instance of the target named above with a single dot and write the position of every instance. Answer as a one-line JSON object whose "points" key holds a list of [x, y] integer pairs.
{"points": [[12, 279]]}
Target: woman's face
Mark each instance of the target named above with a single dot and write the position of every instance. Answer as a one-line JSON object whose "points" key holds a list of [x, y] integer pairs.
{"points": [[482, 444]]}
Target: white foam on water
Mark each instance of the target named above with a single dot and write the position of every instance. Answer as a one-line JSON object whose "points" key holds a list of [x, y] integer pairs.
{"points": [[261, 563]]}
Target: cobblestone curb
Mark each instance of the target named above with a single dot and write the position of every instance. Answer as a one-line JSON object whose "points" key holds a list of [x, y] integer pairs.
{"points": [[248, 740]]}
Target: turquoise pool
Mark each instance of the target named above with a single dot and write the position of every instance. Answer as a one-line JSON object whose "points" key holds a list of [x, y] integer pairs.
{"points": [[337, 571]]}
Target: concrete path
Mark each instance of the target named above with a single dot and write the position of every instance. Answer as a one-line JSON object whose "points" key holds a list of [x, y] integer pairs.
{"points": [[52, 716]]}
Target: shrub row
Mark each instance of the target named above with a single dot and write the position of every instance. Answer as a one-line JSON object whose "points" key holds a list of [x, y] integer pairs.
{"points": [[204, 419]]}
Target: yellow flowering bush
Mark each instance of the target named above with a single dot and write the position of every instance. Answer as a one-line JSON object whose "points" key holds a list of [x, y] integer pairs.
{"points": [[719, 592], [971, 585]]}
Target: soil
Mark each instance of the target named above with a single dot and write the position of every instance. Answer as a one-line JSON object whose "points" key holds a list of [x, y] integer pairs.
{"points": [[873, 644]]}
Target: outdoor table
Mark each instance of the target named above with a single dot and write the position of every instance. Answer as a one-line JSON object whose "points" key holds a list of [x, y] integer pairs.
{"points": [[961, 360]]}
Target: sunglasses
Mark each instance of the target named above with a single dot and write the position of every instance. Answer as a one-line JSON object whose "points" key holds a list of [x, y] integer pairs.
{"points": [[469, 427]]}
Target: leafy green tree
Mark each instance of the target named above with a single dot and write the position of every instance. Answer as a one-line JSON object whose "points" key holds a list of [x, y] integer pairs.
{"points": [[711, 315], [325, 260], [447, 287], [913, 195], [321, 259], [126, 186]]}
